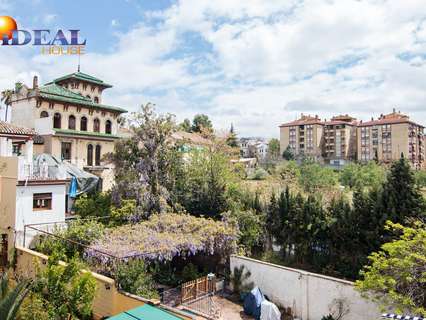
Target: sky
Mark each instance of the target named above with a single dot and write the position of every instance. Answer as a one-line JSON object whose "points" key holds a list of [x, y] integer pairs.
{"points": [[253, 63]]}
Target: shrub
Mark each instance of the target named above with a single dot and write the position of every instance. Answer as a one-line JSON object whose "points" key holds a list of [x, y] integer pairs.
{"points": [[259, 174], [133, 277], [125, 213], [189, 273], [93, 205]]}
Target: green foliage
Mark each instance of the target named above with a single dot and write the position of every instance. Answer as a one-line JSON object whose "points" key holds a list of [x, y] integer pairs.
{"points": [[200, 123], [124, 213], [274, 149], [258, 174], [328, 317], [133, 277], [68, 240], [189, 273], [251, 226], [359, 176], [164, 273], [207, 175], [93, 205], [65, 291], [289, 171], [11, 300], [420, 178], [239, 280], [396, 276], [231, 139], [314, 177], [185, 125], [288, 154]]}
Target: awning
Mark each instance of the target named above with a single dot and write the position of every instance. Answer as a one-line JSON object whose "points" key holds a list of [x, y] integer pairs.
{"points": [[145, 312]]}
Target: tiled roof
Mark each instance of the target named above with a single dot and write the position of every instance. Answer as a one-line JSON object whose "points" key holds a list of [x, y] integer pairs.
{"points": [[190, 137], [7, 128], [387, 121], [302, 121], [338, 122], [83, 77], [59, 93]]}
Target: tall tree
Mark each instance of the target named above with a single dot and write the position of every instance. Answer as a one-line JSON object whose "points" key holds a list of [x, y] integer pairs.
{"points": [[185, 125], [201, 123], [231, 139], [145, 163], [288, 154], [274, 149]]}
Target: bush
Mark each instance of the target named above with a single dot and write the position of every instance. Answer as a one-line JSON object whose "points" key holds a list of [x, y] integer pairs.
{"points": [[93, 205], [125, 213], [420, 177], [190, 273], [133, 277], [259, 174]]}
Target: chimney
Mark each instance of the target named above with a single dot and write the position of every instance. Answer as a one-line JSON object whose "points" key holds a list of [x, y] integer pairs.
{"points": [[35, 82]]}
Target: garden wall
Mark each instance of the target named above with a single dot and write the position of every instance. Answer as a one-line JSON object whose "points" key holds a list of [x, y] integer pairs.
{"points": [[108, 301], [309, 295]]}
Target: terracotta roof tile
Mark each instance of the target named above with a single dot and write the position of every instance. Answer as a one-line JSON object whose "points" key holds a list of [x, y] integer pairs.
{"points": [[7, 128]]}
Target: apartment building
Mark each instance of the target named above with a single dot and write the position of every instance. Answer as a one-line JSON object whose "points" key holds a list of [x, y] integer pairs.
{"points": [[391, 135], [71, 120], [303, 136], [339, 140]]}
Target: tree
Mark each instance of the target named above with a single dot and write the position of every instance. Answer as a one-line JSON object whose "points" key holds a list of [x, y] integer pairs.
{"points": [[145, 163], [396, 276], [200, 123], [231, 139], [288, 154], [6, 97], [402, 199], [359, 176], [314, 177], [67, 291], [185, 125], [11, 300], [274, 149]]}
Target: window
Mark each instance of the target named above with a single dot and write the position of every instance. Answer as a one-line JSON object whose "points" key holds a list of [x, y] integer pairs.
{"points": [[83, 124], [66, 150], [88, 96], [42, 201], [96, 100], [44, 114], [98, 155], [84, 86], [17, 149], [57, 121], [51, 105], [90, 155], [71, 122], [108, 126], [96, 125]]}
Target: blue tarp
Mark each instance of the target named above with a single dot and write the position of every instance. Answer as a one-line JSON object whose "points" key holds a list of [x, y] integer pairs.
{"points": [[252, 303]]}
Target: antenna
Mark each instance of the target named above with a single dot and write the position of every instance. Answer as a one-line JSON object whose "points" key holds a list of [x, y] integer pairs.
{"points": [[78, 67]]}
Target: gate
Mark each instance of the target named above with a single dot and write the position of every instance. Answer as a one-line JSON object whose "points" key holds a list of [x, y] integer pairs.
{"points": [[193, 289]]}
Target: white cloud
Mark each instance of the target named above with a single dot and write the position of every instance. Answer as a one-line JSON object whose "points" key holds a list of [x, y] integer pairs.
{"points": [[261, 63], [115, 23]]}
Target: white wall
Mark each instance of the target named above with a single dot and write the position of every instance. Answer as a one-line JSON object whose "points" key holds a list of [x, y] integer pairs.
{"points": [[309, 295], [24, 208]]}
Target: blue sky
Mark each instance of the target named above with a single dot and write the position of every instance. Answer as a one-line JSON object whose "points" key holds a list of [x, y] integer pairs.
{"points": [[255, 63]]}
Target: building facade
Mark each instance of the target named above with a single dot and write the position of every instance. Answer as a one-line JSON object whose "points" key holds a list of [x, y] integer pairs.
{"points": [[71, 120], [343, 139], [303, 137], [253, 148], [339, 141], [389, 137]]}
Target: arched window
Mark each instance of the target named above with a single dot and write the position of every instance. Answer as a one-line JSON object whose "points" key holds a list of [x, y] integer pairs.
{"points": [[96, 125], [96, 99], [98, 155], [108, 127], [44, 114], [90, 155], [83, 124], [71, 122], [57, 121]]}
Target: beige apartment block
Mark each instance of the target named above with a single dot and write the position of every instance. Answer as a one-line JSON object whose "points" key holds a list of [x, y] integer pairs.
{"points": [[391, 135], [303, 136], [71, 121], [339, 141]]}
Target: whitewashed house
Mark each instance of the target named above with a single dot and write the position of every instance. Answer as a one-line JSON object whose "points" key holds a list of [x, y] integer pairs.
{"points": [[253, 147], [38, 198]]}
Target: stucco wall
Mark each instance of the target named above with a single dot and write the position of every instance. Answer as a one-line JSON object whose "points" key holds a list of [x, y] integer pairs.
{"points": [[108, 300], [26, 215], [309, 295]]}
